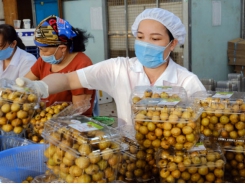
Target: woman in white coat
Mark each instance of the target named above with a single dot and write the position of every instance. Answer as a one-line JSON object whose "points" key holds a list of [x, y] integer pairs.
{"points": [[14, 60], [157, 33]]}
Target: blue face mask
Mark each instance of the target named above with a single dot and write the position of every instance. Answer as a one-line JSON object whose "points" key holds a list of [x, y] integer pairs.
{"points": [[150, 55], [51, 59], [6, 53]]}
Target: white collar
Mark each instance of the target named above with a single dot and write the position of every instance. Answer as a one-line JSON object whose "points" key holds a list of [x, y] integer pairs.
{"points": [[16, 57], [170, 74]]}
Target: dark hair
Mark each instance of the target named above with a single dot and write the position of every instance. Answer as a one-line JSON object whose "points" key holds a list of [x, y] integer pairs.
{"points": [[170, 39], [170, 35], [78, 42], [9, 35]]}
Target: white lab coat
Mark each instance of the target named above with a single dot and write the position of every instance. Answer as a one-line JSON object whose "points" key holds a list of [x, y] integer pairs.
{"points": [[119, 76], [19, 65]]}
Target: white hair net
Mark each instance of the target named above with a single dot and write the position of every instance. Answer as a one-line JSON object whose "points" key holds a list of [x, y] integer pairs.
{"points": [[168, 19]]}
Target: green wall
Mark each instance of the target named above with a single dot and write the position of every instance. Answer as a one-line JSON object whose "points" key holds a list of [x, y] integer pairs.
{"points": [[209, 43], [78, 14]]}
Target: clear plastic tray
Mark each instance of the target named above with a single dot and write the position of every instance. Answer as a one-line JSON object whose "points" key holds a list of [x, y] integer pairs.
{"points": [[235, 145], [75, 109], [137, 163], [79, 129], [157, 95], [7, 142], [47, 178], [235, 167], [41, 116], [11, 92], [166, 127], [94, 166], [223, 114], [15, 117], [204, 163]]}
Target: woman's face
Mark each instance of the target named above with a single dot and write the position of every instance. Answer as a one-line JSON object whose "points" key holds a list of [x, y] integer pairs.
{"points": [[4, 44], [154, 32], [48, 51]]}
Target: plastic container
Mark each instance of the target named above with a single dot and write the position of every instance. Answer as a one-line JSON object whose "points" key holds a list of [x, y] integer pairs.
{"points": [[235, 167], [7, 142], [168, 126], [20, 162], [79, 129], [15, 117], [202, 164], [223, 115], [83, 144], [234, 145], [41, 116], [17, 24], [9, 91], [57, 109], [47, 178], [27, 23], [75, 109], [137, 163], [4, 180], [143, 96], [88, 167]]}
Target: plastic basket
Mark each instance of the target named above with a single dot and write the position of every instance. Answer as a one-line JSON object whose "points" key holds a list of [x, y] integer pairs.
{"points": [[7, 142], [16, 164]]}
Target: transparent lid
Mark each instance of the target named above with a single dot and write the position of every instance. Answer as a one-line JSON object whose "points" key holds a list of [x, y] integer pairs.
{"points": [[11, 92], [79, 130], [173, 114], [221, 101], [234, 145], [157, 95], [47, 178], [75, 109], [135, 157], [205, 153]]}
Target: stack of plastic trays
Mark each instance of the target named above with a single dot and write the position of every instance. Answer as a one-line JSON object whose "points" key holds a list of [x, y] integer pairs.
{"points": [[209, 84], [243, 84], [224, 86], [236, 78]]}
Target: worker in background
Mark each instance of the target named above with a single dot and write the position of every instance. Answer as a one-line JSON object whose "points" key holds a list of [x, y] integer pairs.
{"points": [[157, 32], [14, 60], [61, 49]]}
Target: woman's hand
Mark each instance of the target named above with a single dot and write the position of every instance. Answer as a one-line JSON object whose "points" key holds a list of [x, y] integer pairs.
{"points": [[40, 86]]}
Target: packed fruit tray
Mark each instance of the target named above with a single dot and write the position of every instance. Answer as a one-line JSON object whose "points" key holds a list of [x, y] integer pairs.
{"points": [[56, 110], [234, 145], [143, 96], [235, 167], [205, 163], [48, 177], [166, 127], [41, 116], [223, 114], [10, 91], [79, 129], [15, 117], [81, 149], [137, 163]]}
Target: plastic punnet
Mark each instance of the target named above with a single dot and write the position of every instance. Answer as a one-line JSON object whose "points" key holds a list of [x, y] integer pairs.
{"points": [[223, 114], [202, 164], [11, 92]]}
